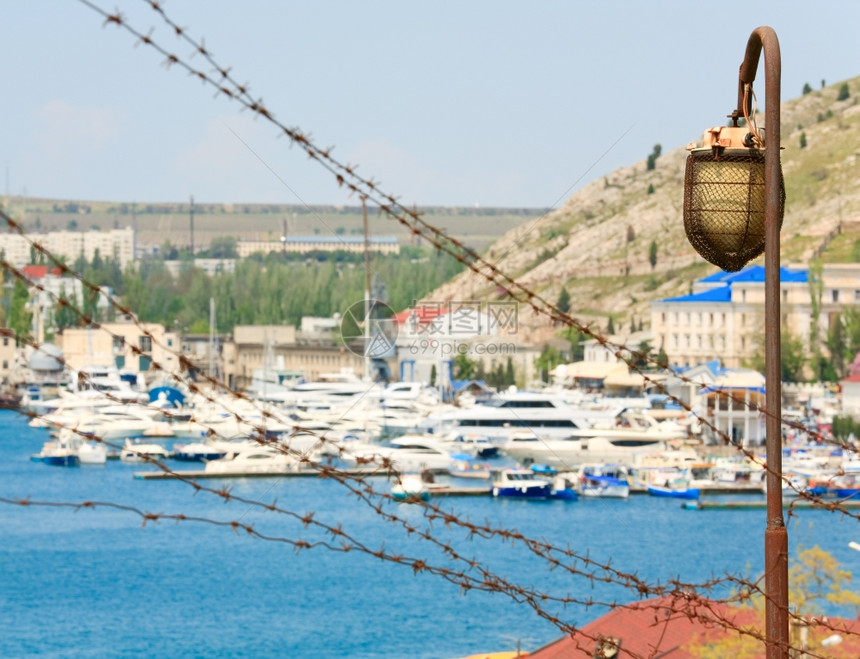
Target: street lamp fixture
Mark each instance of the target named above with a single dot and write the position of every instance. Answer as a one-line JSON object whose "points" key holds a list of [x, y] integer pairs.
{"points": [[734, 199], [724, 191]]}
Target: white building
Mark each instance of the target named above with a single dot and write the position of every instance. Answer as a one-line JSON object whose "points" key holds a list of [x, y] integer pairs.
{"points": [[114, 244], [723, 317], [129, 345], [331, 243]]}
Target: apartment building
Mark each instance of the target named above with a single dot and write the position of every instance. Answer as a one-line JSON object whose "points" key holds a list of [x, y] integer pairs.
{"points": [[115, 244], [331, 243], [723, 316], [127, 344]]}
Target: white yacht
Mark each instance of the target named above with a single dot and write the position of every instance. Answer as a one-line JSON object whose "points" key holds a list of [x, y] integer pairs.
{"points": [[140, 452], [542, 414], [253, 460], [596, 444], [410, 453]]}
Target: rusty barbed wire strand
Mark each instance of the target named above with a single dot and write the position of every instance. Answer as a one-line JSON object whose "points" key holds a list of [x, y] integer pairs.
{"points": [[368, 189], [216, 385], [487, 581], [444, 245], [448, 518]]}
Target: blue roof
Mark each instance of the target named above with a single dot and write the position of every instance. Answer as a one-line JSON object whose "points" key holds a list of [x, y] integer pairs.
{"points": [[719, 294], [756, 273], [753, 273]]}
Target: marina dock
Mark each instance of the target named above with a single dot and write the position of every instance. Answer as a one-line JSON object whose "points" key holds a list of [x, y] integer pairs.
{"points": [[436, 490], [200, 473], [762, 505]]}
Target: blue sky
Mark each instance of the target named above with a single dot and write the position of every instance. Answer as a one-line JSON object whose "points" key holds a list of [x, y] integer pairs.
{"points": [[490, 103]]}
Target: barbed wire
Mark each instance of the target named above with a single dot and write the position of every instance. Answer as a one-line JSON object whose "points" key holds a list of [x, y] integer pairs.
{"points": [[358, 485], [389, 205]]}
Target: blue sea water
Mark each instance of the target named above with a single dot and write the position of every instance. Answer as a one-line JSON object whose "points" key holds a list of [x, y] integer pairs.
{"points": [[96, 582]]}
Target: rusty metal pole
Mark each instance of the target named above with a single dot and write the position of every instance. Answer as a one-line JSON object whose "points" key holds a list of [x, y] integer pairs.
{"points": [[776, 534]]}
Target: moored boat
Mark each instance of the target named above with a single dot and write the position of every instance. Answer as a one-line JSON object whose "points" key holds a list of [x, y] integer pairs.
{"points": [[604, 480], [564, 488], [521, 484], [197, 452], [410, 488], [253, 460], [675, 492], [133, 452], [92, 453], [59, 453]]}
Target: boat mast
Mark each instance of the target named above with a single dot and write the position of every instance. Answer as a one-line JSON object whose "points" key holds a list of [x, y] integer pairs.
{"points": [[212, 337], [367, 302]]}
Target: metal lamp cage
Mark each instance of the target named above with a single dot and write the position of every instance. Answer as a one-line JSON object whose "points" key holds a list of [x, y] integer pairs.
{"points": [[724, 202]]}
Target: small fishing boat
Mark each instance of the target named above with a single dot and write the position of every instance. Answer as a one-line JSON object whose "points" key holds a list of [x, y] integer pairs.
{"points": [[132, 452], [604, 480], [674, 491], [59, 453], [521, 484], [564, 488], [197, 452], [92, 453], [410, 488]]}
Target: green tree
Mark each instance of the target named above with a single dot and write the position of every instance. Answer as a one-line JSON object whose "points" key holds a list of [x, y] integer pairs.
{"points": [[548, 359], [803, 140], [641, 358], [464, 368], [662, 358], [433, 375], [836, 345], [652, 254], [650, 188], [510, 376], [816, 290], [223, 247], [65, 316], [815, 577], [20, 319], [563, 303], [610, 327], [576, 337], [652, 159], [844, 92], [792, 356], [806, 89]]}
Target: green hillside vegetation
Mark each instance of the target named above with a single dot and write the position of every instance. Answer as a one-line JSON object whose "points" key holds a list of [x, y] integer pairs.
{"points": [[614, 246], [265, 289], [598, 245]]}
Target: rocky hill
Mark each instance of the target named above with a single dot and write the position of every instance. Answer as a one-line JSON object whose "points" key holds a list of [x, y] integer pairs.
{"points": [[598, 244]]}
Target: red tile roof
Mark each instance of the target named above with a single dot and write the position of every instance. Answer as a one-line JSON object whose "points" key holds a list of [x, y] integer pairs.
{"points": [[424, 314], [38, 271], [667, 627]]}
